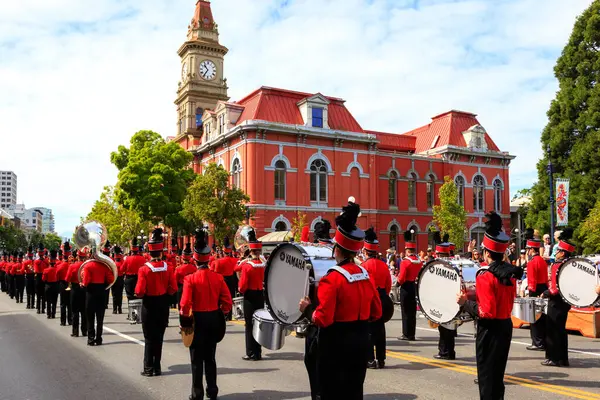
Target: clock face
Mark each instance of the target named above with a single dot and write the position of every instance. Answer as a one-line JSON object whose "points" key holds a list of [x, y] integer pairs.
{"points": [[208, 70], [184, 71]]}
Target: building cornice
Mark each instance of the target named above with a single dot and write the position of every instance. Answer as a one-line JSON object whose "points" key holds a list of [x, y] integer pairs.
{"points": [[466, 151]]}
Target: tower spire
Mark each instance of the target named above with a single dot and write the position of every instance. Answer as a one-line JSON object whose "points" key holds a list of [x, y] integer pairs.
{"points": [[203, 24]]}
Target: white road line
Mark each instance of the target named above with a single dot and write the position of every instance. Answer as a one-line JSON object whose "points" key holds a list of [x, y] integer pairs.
{"points": [[124, 336]]}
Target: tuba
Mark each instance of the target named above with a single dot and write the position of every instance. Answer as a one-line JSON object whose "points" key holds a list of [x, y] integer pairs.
{"points": [[93, 235], [241, 240]]}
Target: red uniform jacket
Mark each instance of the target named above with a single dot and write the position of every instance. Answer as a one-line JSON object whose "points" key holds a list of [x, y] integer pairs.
{"points": [[28, 266], [204, 290], [119, 265], [62, 270], [379, 273], [226, 265], [96, 273], [537, 273], [49, 275], [72, 272], [184, 270], [409, 270], [156, 281], [553, 287], [253, 275], [40, 265], [341, 301], [133, 263], [494, 300], [13, 268], [19, 269]]}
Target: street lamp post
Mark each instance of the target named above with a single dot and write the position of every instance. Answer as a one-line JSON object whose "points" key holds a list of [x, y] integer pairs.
{"points": [[518, 233], [552, 199]]}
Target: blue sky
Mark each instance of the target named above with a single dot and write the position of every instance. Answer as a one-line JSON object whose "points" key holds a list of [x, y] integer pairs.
{"points": [[79, 77]]}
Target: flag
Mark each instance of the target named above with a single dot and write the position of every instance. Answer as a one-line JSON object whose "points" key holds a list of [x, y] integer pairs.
{"points": [[562, 202]]}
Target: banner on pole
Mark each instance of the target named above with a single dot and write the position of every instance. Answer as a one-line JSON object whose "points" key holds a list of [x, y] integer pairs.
{"points": [[562, 202]]}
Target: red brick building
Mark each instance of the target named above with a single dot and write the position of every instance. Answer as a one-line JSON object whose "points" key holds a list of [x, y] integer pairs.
{"points": [[304, 152]]}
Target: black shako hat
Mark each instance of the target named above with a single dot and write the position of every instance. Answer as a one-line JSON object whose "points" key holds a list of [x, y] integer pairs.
{"points": [[227, 245], [409, 243], [41, 249], [371, 242], [53, 254], [347, 235], [564, 241], [201, 249], [531, 242], [174, 243], [134, 245], [253, 242], [322, 229], [494, 240], [156, 240], [106, 249], [117, 251], [187, 252]]}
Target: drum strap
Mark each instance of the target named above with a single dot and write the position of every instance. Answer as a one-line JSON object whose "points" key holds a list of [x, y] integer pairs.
{"points": [[157, 269], [351, 278]]}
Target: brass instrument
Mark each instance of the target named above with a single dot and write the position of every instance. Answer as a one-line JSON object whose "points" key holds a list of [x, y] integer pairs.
{"points": [[241, 239], [93, 235]]}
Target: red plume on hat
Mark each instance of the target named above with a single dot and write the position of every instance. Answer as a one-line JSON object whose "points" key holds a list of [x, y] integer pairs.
{"points": [[305, 234]]}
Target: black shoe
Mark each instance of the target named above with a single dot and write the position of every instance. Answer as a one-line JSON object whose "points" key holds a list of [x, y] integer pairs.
{"points": [[114, 311], [550, 363], [84, 334], [251, 358], [157, 372], [98, 342], [563, 363], [74, 334], [372, 364], [147, 373], [404, 338], [38, 311], [535, 348], [63, 324], [119, 311], [91, 343], [213, 395], [444, 357], [476, 381], [48, 317], [381, 364]]}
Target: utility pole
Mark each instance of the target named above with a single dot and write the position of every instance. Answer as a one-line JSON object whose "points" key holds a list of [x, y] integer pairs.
{"points": [[552, 199]]}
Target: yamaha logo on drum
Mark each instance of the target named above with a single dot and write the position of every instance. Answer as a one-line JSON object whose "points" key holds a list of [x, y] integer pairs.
{"points": [[295, 262], [431, 269], [445, 273], [585, 268], [435, 313]]}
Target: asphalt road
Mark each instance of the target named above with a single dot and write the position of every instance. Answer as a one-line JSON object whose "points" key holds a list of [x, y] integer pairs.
{"points": [[41, 361]]}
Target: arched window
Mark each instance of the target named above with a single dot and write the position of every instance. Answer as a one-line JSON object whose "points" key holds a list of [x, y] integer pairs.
{"points": [[412, 190], [393, 201], [478, 193], [460, 187], [498, 196], [431, 237], [280, 168], [394, 237], [318, 181], [199, 112], [430, 191], [477, 234], [281, 227], [236, 173]]}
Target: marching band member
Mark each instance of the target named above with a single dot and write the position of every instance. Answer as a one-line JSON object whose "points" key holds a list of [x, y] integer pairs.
{"points": [[409, 270], [347, 301], [117, 288], [51, 285], [61, 273], [557, 339], [381, 278], [19, 276], [131, 266], [29, 279], [155, 284], [77, 297], [187, 268], [251, 287], [495, 297], [3, 263], [447, 341], [537, 283], [95, 278], [225, 266], [106, 252], [171, 259], [205, 300], [39, 266], [10, 275]]}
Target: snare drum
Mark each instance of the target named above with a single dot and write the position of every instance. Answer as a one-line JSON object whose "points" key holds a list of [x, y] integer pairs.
{"points": [[134, 311], [577, 279], [526, 309], [438, 283], [266, 331]]}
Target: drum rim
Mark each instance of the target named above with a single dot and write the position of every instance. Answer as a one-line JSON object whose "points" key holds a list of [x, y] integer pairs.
{"points": [[266, 285], [558, 284], [419, 297]]}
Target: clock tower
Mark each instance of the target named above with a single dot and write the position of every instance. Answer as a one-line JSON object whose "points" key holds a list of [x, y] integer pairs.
{"points": [[202, 83]]}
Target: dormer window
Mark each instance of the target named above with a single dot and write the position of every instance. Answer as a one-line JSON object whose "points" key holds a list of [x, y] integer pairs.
{"points": [[475, 138], [314, 111], [317, 117]]}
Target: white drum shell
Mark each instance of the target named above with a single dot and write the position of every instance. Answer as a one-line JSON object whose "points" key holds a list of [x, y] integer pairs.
{"points": [[526, 309], [266, 331], [576, 280]]}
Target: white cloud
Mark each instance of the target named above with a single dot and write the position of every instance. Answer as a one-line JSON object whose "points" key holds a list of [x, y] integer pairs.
{"points": [[77, 78]]}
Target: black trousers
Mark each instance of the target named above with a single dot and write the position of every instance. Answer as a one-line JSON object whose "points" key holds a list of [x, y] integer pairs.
{"points": [[538, 328], [342, 360], [30, 287], [51, 293], [3, 281], [11, 285], [253, 300], [557, 339], [19, 287], [232, 283], [311, 343], [78, 298], [39, 291], [408, 302], [117, 294], [202, 354], [130, 281], [447, 342], [66, 316], [95, 307], [377, 345], [179, 294], [155, 317], [491, 350]]}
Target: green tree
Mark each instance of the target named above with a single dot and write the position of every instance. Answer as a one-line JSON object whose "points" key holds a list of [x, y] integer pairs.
{"points": [[12, 238], [450, 216], [298, 223], [122, 224], [210, 199], [52, 241], [35, 238], [153, 177], [590, 232], [573, 121]]}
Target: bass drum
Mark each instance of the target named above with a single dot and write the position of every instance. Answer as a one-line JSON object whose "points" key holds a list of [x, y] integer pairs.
{"points": [[577, 279], [289, 273], [438, 283]]}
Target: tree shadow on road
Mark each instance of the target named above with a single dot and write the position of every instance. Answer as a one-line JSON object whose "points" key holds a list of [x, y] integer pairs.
{"points": [[265, 394], [284, 356], [560, 378], [185, 369], [390, 396]]}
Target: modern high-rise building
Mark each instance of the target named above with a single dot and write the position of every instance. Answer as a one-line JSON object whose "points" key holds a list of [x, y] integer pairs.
{"points": [[47, 219], [31, 218], [8, 189]]}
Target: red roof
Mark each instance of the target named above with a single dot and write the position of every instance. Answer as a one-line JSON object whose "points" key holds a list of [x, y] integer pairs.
{"points": [[394, 141], [446, 129], [280, 105], [203, 17]]}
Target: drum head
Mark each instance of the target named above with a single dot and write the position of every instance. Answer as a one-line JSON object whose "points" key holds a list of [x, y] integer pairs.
{"points": [[286, 282], [437, 286], [577, 279]]}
